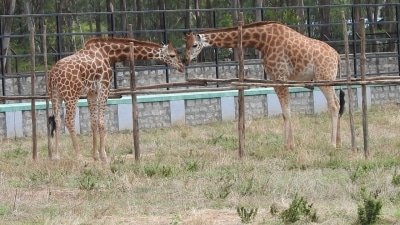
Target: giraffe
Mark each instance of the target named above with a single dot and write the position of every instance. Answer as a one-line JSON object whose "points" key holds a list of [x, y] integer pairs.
{"points": [[88, 72], [286, 55]]}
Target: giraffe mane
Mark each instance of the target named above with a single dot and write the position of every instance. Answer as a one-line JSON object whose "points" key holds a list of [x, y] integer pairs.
{"points": [[236, 27], [121, 40]]}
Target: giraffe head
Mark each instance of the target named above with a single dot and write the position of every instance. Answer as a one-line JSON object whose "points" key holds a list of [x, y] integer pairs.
{"points": [[194, 44], [168, 55]]}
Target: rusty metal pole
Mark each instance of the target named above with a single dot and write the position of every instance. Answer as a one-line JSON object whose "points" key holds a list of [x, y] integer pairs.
{"points": [[47, 88], [364, 88], [135, 121], [349, 90], [33, 93], [241, 122]]}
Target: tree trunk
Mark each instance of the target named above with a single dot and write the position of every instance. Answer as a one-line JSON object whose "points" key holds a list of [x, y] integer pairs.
{"points": [[389, 13], [187, 14], [139, 16], [122, 6], [324, 13], [9, 9], [357, 16], [372, 14]]}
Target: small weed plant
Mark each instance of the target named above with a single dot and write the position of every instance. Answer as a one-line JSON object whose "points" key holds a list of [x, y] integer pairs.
{"points": [[299, 208], [396, 178], [370, 208], [246, 215], [88, 180]]}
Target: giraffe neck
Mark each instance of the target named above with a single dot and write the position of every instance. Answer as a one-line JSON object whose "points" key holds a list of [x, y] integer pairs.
{"points": [[117, 52], [252, 36]]}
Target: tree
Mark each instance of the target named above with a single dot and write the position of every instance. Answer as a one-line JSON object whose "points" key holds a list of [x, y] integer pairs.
{"points": [[9, 8], [324, 15]]}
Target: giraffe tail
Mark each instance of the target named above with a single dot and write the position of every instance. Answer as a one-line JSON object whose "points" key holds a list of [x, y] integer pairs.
{"points": [[51, 124], [341, 102]]}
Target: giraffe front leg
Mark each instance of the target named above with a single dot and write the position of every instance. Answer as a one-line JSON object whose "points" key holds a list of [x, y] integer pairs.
{"points": [[283, 95], [93, 109], [103, 95]]}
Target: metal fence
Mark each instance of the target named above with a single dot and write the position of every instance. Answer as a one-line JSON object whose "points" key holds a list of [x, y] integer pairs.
{"points": [[67, 31]]}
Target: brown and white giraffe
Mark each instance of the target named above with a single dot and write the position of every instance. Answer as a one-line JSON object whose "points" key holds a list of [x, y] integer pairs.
{"points": [[88, 72], [287, 55]]}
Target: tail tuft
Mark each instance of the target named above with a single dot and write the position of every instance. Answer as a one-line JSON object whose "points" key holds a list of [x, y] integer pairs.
{"points": [[51, 123], [341, 102]]}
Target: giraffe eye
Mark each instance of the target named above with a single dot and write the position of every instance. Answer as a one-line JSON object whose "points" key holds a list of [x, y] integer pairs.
{"points": [[172, 56], [194, 45]]}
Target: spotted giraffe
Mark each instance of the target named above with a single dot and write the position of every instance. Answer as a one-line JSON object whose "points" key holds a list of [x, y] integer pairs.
{"points": [[88, 72], [287, 55]]}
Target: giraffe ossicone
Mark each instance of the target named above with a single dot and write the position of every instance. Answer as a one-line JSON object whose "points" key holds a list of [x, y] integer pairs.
{"points": [[287, 55], [88, 72]]}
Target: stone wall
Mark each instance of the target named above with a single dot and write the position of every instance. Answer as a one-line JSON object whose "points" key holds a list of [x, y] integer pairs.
{"points": [[191, 109]]}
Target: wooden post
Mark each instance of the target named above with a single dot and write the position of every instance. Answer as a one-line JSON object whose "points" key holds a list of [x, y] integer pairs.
{"points": [[135, 122], [47, 88], [364, 88], [348, 75], [241, 122], [33, 92], [130, 31]]}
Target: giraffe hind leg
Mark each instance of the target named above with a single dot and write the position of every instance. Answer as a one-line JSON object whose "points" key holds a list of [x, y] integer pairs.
{"points": [[93, 108], [54, 123], [333, 106]]}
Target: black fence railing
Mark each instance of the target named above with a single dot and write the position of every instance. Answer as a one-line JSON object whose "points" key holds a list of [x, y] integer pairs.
{"points": [[67, 32]]}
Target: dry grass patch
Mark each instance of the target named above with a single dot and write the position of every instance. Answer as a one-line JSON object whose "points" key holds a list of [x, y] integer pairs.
{"points": [[192, 175]]}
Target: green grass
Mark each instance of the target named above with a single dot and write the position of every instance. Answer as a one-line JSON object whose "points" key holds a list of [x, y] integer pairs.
{"points": [[192, 175]]}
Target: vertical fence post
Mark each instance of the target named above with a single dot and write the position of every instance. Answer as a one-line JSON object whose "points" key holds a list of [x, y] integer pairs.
{"points": [[165, 40], [135, 122], [3, 80], [353, 34], [33, 92], [216, 50], [47, 88], [241, 122], [363, 87], [398, 35], [349, 90]]}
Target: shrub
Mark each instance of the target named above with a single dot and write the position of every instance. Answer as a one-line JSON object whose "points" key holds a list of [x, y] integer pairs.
{"points": [[88, 180], [299, 208], [369, 210], [396, 179], [246, 214]]}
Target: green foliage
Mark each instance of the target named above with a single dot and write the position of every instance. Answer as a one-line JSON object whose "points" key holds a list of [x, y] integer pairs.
{"points": [[370, 208], [246, 214], [17, 153], [360, 171], [153, 169], [192, 165], [224, 141], [299, 208], [89, 179], [396, 179], [4, 209], [247, 187], [222, 186]]}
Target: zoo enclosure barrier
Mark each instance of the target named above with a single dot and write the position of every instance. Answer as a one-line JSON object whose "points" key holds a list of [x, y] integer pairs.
{"points": [[167, 25]]}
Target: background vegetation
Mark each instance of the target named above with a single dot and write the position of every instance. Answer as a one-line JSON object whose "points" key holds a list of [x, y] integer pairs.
{"points": [[81, 19]]}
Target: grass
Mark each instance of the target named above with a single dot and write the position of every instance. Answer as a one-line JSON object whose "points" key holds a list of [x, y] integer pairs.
{"points": [[192, 175]]}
